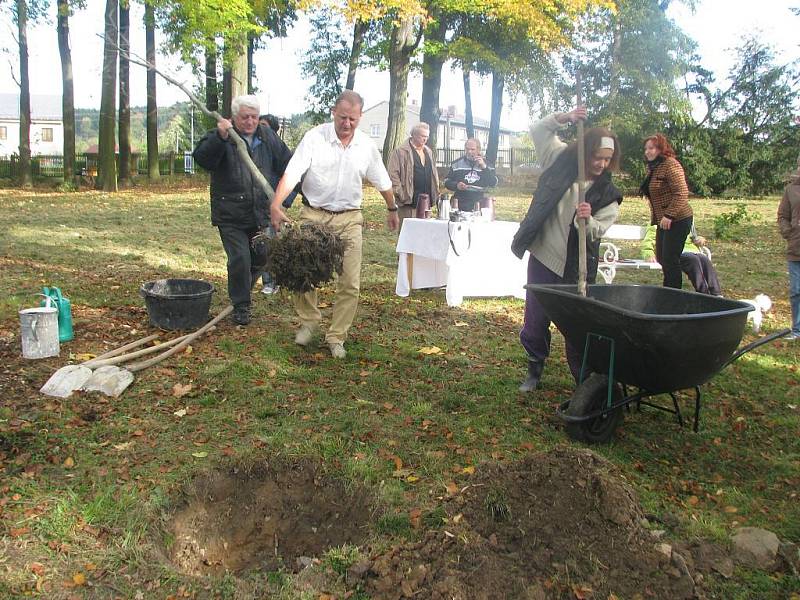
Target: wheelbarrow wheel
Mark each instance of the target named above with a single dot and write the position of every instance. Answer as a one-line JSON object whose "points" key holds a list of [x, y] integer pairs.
{"points": [[591, 396]]}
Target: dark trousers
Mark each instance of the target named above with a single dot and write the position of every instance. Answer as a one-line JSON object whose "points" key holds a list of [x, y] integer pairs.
{"points": [[701, 273], [669, 246], [535, 333], [236, 242]]}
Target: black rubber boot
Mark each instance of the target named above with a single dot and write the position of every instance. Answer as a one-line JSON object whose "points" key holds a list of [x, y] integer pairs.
{"points": [[535, 368]]}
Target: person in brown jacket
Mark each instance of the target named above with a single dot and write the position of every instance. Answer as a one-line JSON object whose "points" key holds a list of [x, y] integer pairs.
{"points": [[413, 172], [789, 226], [666, 189]]}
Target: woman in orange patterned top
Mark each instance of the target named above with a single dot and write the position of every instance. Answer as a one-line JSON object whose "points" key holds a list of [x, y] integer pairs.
{"points": [[665, 187]]}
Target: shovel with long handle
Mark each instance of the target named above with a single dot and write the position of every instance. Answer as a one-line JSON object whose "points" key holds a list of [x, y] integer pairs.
{"points": [[581, 196], [113, 380]]}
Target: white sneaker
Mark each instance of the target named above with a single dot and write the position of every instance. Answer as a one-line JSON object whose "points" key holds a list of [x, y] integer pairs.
{"points": [[304, 335], [269, 289], [792, 336], [337, 350]]}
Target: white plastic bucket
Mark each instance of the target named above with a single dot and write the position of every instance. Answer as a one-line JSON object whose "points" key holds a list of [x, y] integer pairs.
{"points": [[39, 332]]}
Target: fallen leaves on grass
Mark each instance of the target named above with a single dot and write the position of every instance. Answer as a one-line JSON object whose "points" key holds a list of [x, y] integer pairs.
{"points": [[179, 390], [427, 350]]}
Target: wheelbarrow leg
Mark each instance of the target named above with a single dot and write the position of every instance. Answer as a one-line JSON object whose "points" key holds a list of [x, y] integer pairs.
{"points": [[677, 408], [696, 408]]}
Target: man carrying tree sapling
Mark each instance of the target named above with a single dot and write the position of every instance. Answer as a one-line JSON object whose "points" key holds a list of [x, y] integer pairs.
{"points": [[333, 159], [239, 206]]}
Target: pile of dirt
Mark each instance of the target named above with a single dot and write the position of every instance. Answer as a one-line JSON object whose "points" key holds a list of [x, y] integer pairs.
{"points": [[269, 515], [562, 524]]}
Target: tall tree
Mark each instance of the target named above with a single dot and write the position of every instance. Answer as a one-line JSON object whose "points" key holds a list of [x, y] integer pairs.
{"points": [[107, 164], [324, 61], [360, 28], [153, 171], [25, 174], [403, 41], [434, 57], [469, 121], [124, 94], [68, 91]]}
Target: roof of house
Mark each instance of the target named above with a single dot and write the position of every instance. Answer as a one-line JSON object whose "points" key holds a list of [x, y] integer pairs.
{"points": [[45, 107], [456, 119]]}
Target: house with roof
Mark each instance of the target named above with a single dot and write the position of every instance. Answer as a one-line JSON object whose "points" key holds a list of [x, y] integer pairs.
{"points": [[47, 125], [451, 133]]}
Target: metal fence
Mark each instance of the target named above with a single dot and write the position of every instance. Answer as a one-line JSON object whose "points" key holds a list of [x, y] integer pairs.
{"points": [[508, 158], [183, 164], [86, 164]]}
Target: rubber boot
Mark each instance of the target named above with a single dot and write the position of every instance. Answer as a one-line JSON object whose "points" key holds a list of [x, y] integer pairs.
{"points": [[535, 368]]}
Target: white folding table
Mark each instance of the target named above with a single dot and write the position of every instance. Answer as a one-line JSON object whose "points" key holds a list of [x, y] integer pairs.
{"points": [[470, 258]]}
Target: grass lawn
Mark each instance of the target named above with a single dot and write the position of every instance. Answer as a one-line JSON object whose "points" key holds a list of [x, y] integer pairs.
{"points": [[88, 484]]}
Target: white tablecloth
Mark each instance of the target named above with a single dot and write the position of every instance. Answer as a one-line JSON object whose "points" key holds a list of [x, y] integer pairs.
{"points": [[470, 258]]}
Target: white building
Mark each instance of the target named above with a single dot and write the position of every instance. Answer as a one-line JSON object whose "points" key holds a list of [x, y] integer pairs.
{"points": [[47, 126], [451, 133]]}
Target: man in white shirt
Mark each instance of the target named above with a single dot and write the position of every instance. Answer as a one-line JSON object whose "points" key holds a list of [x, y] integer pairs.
{"points": [[334, 159]]}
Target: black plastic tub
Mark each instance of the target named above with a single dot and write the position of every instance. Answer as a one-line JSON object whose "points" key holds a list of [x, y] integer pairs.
{"points": [[177, 303]]}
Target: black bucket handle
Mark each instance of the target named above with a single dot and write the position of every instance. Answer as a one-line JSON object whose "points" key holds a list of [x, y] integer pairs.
{"points": [[759, 342]]}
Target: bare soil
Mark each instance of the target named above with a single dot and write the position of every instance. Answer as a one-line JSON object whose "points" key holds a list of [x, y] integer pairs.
{"points": [[271, 515], [562, 524]]}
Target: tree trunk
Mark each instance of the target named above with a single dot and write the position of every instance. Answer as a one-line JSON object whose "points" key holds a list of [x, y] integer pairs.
{"points": [[359, 31], [401, 46], [227, 96], [468, 121], [432, 63], [251, 46], [25, 174], [234, 73], [498, 83], [68, 93], [153, 171], [107, 165], [212, 93], [124, 94]]}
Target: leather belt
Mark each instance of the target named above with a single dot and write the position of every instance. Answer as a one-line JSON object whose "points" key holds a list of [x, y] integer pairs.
{"points": [[330, 212]]}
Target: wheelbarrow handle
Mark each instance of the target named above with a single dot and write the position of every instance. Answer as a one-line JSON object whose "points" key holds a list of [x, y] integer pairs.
{"points": [[759, 342]]}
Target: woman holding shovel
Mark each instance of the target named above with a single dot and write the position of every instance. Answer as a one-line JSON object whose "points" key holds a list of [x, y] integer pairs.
{"points": [[550, 229]]}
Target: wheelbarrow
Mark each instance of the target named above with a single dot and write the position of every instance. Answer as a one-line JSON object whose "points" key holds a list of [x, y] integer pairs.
{"points": [[654, 339]]}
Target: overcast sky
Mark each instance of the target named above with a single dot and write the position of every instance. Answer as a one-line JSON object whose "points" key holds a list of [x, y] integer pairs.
{"points": [[717, 26]]}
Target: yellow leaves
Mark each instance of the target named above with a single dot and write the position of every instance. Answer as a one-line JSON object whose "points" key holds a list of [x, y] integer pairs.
{"points": [[200, 454], [179, 390], [69, 462], [78, 579], [428, 350]]}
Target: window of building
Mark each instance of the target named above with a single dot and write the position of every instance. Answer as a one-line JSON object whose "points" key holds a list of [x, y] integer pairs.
{"points": [[3, 132], [47, 134], [375, 130]]}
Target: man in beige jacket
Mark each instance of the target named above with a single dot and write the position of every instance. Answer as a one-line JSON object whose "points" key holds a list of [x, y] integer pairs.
{"points": [[412, 170]]}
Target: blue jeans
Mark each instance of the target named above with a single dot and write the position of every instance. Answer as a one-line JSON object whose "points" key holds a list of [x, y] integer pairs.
{"points": [[266, 278], [794, 294]]}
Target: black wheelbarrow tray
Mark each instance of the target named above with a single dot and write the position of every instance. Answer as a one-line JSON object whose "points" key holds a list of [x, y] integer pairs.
{"points": [[658, 340]]}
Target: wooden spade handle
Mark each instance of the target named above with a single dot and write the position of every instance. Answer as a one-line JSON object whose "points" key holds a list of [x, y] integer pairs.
{"points": [[98, 362], [186, 341], [117, 351]]}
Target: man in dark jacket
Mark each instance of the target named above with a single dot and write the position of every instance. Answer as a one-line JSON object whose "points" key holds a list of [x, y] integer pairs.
{"points": [[469, 176], [239, 207]]}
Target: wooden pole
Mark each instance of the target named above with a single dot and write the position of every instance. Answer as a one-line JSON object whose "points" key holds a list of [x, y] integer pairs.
{"points": [[581, 196]]}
